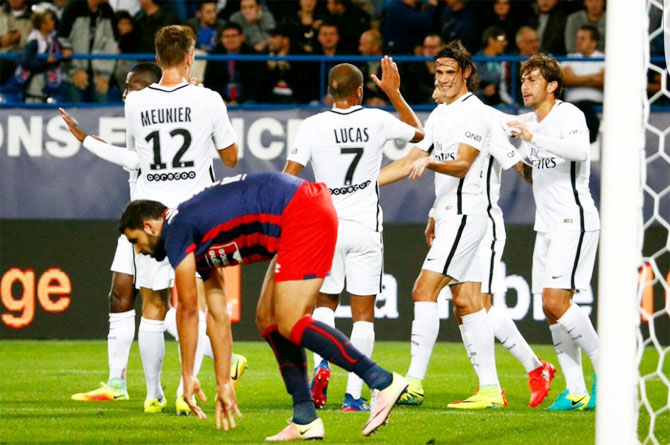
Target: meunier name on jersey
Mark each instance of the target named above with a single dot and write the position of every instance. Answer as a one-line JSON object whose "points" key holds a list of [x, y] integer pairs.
{"points": [[165, 116]]}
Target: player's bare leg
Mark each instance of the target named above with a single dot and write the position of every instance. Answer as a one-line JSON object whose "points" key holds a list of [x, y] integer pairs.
{"points": [[119, 340], [326, 305], [540, 373], [425, 327], [150, 339], [571, 329], [478, 340]]}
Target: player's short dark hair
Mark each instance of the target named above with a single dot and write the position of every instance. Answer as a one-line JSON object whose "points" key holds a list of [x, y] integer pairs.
{"points": [[136, 212], [595, 34], [232, 25], [150, 70], [492, 32], [551, 70], [456, 51], [173, 43], [343, 80]]}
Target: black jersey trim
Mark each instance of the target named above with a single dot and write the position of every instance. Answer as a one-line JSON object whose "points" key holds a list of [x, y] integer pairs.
{"points": [[493, 223], [467, 97], [452, 252], [381, 272], [431, 148], [211, 173], [573, 182], [168, 91], [378, 207], [459, 196], [346, 113]]}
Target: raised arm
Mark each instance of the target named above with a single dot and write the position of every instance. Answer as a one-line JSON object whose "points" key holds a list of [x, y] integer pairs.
{"points": [[575, 147], [390, 84], [399, 169]]}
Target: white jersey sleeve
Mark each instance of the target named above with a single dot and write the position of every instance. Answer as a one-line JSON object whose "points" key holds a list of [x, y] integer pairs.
{"points": [[426, 143], [473, 129], [125, 158], [500, 147], [394, 128], [302, 147], [223, 134]]}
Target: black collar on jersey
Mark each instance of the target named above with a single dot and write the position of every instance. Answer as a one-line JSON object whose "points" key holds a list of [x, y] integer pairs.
{"points": [[166, 91], [349, 111]]}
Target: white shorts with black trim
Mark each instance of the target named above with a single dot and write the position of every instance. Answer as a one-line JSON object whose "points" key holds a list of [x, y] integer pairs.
{"points": [[359, 258], [124, 257], [564, 260], [152, 274], [457, 239], [487, 266]]}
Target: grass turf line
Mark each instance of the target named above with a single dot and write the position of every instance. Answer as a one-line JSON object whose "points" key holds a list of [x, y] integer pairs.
{"points": [[40, 376]]}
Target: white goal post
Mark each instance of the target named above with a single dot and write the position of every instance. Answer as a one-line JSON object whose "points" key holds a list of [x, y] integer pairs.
{"points": [[621, 220]]}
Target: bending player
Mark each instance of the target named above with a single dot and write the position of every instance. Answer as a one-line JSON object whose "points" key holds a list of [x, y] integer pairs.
{"points": [[345, 146], [456, 133], [489, 255], [566, 221], [246, 219]]}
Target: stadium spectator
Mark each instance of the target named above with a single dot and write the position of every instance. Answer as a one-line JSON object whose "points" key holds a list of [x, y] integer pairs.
{"points": [[493, 86], [15, 26], [290, 82], [527, 44], [420, 77], [351, 22], [206, 26], [406, 23], [88, 27], [41, 79], [504, 15], [256, 23], [549, 22], [149, 20], [458, 23], [593, 14], [127, 33], [585, 80], [328, 39], [370, 44], [306, 23], [236, 81]]}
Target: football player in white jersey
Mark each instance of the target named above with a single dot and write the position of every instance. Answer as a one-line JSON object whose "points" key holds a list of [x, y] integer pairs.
{"points": [[502, 156], [122, 295], [566, 221], [456, 133], [345, 146]]}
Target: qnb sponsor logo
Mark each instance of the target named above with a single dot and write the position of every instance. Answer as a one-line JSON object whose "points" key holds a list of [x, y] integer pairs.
{"points": [[178, 176], [470, 135], [350, 188]]}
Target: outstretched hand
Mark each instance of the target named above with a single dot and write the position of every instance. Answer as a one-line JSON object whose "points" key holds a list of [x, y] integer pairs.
{"points": [[226, 405], [390, 81], [191, 387], [72, 124]]}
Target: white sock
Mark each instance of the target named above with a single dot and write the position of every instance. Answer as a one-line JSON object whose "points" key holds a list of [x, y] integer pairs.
{"points": [[480, 338], [570, 358], [152, 350], [467, 342], [425, 327], [508, 334], [324, 315], [170, 323], [363, 339], [578, 325], [197, 363], [119, 341]]}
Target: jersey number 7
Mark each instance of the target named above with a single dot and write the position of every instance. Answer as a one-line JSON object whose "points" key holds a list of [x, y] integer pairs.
{"points": [[176, 161], [358, 152]]}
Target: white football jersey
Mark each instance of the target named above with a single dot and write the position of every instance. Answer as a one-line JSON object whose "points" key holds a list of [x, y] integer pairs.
{"points": [[346, 148], [563, 201], [172, 130], [502, 155], [464, 121]]}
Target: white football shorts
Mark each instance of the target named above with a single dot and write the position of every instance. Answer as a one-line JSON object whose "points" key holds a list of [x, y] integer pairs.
{"points": [[124, 257], [564, 260], [152, 274], [358, 259], [457, 239], [487, 266]]}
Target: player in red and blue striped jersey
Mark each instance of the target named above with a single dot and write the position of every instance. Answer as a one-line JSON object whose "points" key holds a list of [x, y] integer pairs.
{"points": [[242, 220]]}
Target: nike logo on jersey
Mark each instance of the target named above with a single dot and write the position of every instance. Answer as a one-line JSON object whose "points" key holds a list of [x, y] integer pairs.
{"points": [[431, 259], [553, 277]]}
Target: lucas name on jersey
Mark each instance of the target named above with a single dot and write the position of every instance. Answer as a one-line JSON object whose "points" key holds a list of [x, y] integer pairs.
{"points": [[351, 134], [165, 116]]}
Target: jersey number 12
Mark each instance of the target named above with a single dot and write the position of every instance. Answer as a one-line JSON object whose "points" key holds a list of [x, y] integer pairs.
{"points": [[176, 161]]}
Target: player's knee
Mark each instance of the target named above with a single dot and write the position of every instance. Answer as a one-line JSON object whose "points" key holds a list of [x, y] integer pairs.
{"points": [[121, 300], [551, 308], [285, 327], [420, 292]]}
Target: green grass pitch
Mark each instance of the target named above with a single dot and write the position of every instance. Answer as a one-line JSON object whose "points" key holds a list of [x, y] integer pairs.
{"points": [[39, 377]]}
